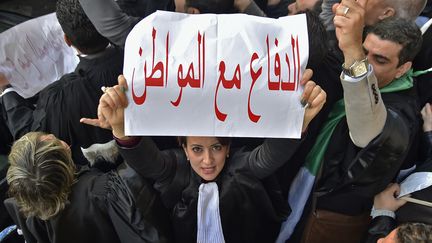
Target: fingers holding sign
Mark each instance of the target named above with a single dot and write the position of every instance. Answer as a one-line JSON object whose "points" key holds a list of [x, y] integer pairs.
{"points": [[313, 98]]}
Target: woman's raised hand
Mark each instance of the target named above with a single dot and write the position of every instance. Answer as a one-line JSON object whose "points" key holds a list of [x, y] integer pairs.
{"points": [[111, 109]]}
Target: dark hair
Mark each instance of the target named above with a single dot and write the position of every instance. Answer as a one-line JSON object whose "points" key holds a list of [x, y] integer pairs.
{"points": [[212, 6], [78, 28], [400, 31], [414, 232], [223, 140]]}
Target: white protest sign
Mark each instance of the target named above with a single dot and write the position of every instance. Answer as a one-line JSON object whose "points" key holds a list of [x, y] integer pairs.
{"points": [[33, 54], [415, 182], [215, 75]]}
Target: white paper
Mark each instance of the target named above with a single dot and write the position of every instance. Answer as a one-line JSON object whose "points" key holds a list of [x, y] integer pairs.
{"points": [[33, 54], [415, 182], [185, 91]]}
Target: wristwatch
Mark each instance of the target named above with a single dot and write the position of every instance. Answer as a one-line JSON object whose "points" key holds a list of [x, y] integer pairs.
{"points": [[357, 69]]}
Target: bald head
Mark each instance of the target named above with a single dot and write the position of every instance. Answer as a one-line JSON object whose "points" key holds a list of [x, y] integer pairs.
{"points": [[377, 10], [408, 9]]}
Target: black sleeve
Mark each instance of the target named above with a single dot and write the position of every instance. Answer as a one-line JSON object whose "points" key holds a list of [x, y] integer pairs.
{"points": [[134, 208], [146, 159], [380, 227], [272, 154], [18, 114], [426, 144], [18, 218]]}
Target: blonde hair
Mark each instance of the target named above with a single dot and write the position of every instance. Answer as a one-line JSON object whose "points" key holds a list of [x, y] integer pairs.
{"points": [[40, 175]]}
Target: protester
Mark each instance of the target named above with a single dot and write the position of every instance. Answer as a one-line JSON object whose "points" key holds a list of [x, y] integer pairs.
{"points": [[410, 232], [384, 226], [61, 104], [53, 200], [377, 10], [239, 208], [115, 25], [362, 151]]}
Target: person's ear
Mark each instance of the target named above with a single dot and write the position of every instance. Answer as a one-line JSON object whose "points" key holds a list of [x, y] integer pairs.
{"points": [[388, 12], [67, 40], [402, 69], [192, 10]]}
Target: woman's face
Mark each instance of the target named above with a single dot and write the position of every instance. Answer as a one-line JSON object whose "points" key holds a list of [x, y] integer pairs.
{"points": [[206, 155]]}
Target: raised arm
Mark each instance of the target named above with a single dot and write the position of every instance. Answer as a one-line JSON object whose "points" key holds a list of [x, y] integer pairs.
{"points": [[273, 153], [109, 20], [365, 110], [139, 152]]}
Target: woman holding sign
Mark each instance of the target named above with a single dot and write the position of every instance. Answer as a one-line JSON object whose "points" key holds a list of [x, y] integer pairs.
{"points": [[215, 194]]}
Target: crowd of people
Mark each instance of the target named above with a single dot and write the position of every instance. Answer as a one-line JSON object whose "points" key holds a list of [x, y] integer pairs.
{"points": [[367, 124]]}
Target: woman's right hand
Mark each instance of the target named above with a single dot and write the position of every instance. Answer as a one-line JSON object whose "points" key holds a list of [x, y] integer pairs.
{"points": [[111, 109]]}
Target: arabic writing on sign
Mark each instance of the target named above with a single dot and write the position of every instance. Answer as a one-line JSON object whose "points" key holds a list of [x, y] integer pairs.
{"points": [[174, 69], [33, 54], [158, 76]]}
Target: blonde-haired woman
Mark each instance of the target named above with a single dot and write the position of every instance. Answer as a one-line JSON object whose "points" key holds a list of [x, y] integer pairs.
{"points": [[54, 200]]}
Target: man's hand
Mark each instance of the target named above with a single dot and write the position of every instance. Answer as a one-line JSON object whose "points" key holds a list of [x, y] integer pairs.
{"points": [[386, 200], [313, 98], [349, 24]]}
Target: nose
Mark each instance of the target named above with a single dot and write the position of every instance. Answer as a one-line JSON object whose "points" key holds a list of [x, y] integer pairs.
{"points": [[208, 157]]}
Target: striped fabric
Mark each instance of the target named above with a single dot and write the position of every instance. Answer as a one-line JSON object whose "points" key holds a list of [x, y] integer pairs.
{"points": [[209, 222]]}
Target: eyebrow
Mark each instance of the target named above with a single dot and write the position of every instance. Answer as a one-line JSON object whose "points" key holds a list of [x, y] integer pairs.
{"points": [[199, 145], [376, 55], [381, 57]]}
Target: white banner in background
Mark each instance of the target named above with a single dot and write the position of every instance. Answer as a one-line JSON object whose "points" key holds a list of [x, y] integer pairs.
{"points": [[215, 75], [33, 54]]}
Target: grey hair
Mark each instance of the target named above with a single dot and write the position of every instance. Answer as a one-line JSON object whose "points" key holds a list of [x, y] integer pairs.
{"points": [[414, 232], [40, 175]]}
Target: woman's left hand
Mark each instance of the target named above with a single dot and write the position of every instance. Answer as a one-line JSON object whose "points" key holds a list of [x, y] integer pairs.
{"points": [[313, 98]]}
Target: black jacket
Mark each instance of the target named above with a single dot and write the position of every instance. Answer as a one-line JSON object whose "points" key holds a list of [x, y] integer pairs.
{"points": [[352, 176], [251, 210], [61, 104], [118, 206]]}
